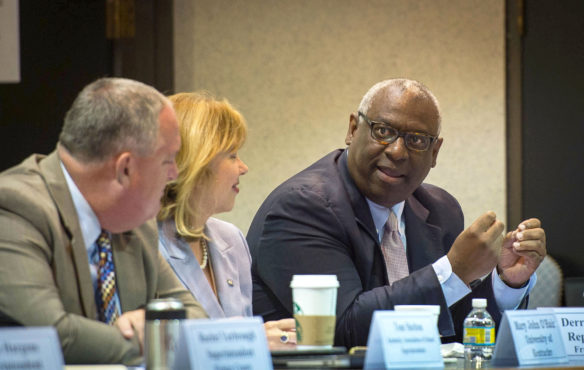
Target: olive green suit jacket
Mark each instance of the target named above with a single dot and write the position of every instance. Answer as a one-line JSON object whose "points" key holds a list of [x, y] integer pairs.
{"points": [[44, 269]]}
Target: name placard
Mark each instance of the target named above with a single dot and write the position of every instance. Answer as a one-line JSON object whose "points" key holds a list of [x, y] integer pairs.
{"points": [[403, 339], [223, 344], [571, 322], [30, 348], [527, 338]]}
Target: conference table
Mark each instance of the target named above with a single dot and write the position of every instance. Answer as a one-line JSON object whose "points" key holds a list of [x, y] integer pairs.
{"points": [[450, 363], [447, 366]]}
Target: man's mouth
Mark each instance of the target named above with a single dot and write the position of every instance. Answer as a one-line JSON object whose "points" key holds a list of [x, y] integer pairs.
{"points": [[389, 174]]}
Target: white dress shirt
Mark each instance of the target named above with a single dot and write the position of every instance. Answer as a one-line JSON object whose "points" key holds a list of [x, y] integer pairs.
{"points": [[90, 228], [453, 288]]}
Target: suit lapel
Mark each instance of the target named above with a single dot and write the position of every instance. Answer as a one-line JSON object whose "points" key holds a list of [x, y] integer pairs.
{"points": [[130, 274], [423, 238], [224, 269], [57, 185], [187, 269], [366, 241], [358, 202]]}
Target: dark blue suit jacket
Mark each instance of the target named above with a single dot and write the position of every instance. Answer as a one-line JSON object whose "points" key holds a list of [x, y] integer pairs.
{"points": [[318, 222]]}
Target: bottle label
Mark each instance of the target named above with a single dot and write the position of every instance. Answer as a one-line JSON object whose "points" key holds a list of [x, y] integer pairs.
{"points": [[478, 336]]}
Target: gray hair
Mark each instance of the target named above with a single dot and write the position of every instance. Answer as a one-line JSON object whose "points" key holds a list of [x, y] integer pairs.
{"points": [[403, 85], [112, 115]]}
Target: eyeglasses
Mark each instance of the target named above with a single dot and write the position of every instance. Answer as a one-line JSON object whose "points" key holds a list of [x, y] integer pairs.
{"points": [[385, 134]]}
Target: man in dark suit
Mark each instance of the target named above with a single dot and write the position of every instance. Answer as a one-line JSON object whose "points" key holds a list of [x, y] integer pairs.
{"points": [[329, 219], [103, 182]]}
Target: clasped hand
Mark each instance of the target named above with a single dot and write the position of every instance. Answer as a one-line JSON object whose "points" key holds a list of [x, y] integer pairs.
{"points": [[132, 323], [481, 247], [281, 334]]}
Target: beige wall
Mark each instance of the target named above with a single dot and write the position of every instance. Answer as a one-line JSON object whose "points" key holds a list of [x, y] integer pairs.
{"points": [[296, 69]]}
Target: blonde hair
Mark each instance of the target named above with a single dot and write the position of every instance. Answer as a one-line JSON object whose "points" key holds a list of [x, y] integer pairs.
{"points": [[208, 127]]}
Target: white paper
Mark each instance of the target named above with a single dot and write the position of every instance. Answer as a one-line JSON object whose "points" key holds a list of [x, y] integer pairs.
{"points": [[223, 344], [571, 322], [30, 348], [403, 339], [529, 338]]}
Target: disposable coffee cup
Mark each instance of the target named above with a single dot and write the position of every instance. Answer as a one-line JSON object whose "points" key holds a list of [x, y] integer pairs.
{"points": [[314, 300], [433, 310]]}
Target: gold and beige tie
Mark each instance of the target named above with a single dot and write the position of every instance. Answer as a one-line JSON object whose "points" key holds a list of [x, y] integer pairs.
{"points": [[105, 296], [393, 251]]}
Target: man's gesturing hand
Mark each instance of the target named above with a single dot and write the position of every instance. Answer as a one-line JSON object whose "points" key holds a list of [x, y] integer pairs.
{"points": [[475, 252], [522, 252]]}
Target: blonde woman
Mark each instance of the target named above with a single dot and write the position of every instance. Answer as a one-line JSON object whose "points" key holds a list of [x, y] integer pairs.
{"points": [[211, 257]]}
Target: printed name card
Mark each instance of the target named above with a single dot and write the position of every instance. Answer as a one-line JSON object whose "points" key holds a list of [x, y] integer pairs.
{"points": [[30, 348], [223, 344], [571, 321], [403, 339], [528, 338]]}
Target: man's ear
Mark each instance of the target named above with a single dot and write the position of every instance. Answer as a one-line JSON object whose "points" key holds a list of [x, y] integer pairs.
{"points": [[353, 122], [435, 150], [124, 166]]}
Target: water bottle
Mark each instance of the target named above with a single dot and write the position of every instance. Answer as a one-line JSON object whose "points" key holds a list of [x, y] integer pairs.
{"points": [[478, 336], [162, 332]]}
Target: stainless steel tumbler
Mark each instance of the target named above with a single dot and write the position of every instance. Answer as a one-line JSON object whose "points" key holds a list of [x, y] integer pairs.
{"points": [[162, 332]]}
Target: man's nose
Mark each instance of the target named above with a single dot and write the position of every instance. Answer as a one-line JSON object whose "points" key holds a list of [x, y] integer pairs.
{"points": [[397, 150]]}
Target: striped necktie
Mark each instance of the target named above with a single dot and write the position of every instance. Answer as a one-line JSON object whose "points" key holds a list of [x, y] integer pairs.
{"points": [[105, 295], [394, 252]]}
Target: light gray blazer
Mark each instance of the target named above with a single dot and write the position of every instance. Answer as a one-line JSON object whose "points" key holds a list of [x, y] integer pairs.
{"points": [[231, 260]]}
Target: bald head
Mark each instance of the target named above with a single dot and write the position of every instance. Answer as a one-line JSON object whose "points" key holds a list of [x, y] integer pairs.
{"points": [[396, 88], [111, 115]]}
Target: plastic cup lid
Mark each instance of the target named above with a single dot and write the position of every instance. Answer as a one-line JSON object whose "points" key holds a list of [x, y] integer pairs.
{"points": [[314, 281]]}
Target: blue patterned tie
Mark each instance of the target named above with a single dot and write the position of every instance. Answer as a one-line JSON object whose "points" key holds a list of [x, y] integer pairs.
{"points": [[106, 294]]}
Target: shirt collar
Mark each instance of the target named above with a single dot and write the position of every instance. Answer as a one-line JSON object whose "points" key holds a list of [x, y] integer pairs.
{"points": [[380, 215], [88, 222]]}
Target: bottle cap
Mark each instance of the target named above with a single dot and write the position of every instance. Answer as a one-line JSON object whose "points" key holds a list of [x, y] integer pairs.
{"points": [[479, 303]]}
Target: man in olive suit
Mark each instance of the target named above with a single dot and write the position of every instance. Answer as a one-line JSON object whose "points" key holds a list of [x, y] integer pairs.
{"points": [[105, 179]]}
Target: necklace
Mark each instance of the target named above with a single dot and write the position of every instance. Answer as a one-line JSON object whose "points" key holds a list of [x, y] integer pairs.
{"points": [[205, 249]]}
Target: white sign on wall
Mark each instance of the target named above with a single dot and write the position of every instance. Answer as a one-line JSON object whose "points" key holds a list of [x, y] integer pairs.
{"points": [[9, 42]]}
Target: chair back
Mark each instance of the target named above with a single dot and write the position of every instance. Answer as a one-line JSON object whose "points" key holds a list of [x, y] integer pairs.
{"points": [[548, 290], [574, 291]]}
